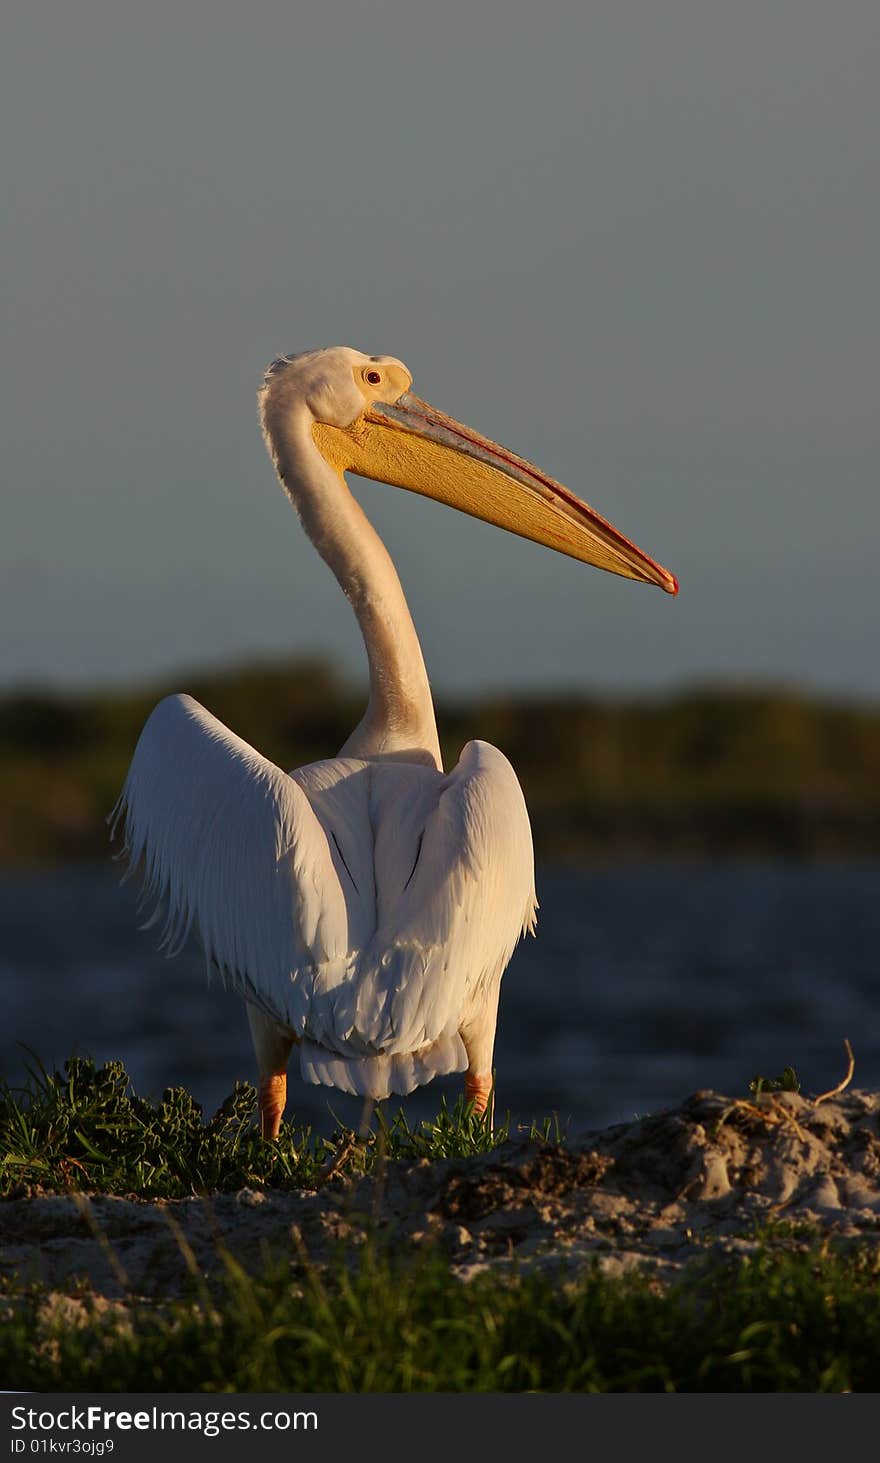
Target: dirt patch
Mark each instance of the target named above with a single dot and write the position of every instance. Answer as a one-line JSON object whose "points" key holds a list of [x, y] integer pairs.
{"points": [[653, 1193]]}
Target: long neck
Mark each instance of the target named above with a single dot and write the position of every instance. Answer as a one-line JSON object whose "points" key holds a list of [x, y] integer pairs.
{"points": [[399, 720]]}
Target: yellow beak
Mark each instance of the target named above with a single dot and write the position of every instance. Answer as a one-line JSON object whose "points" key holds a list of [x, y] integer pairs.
{"points": [[410, 444]]}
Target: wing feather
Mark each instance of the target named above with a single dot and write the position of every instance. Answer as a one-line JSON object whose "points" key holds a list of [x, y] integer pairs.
{"points": [[232, 846], [446, 938]]}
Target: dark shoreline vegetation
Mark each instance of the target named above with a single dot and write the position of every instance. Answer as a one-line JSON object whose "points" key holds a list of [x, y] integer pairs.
{"points": [[795, 1311], [702, 772]]}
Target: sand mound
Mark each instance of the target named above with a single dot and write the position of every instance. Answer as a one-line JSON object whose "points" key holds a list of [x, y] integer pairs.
{"points": [[653, 1193]]}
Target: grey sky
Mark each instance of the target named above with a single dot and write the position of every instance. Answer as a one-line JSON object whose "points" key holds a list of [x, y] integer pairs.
{"points": [[638, 243]]}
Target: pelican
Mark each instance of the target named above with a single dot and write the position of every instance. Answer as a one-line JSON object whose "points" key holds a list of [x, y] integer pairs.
{"points": [[365, 906]]}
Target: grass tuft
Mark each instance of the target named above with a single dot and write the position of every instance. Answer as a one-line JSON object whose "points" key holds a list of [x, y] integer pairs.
{"points": [[86, 1129], [787, 1081]]}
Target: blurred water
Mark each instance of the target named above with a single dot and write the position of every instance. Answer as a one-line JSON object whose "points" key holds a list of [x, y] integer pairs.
{"points": [[644, 984]]}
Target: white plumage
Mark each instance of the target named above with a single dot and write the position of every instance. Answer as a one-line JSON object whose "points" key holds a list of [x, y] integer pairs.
{"points": [[365, 907]]}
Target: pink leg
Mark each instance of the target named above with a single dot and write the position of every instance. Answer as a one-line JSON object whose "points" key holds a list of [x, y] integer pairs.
{"points": [[478, 1090], [272, 1048], [478, 1036], [273, 1097]]}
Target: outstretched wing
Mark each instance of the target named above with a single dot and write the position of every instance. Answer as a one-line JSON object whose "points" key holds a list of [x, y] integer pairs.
{"points": [[232, 848]]}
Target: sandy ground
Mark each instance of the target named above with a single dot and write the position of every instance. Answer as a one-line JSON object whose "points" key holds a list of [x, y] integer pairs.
{"points": [[654, 1193]]}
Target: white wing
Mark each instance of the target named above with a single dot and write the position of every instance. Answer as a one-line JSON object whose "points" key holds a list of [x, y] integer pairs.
{"points": [[369, 906], [232, 846]]}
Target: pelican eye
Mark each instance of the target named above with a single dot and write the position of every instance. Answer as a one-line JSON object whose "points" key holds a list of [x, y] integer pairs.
{"points": [[374, 378]]}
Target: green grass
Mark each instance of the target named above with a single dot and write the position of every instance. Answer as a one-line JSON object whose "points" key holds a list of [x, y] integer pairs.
{"points": [[787, 1081], [86, 1129], [373, 1323]]}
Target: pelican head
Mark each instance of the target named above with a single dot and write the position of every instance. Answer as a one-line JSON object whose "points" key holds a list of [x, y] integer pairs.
{"points": [[365, 419]]}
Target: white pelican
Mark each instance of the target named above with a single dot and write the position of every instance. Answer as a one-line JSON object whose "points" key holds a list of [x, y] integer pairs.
{"points": [[365, 907]]}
